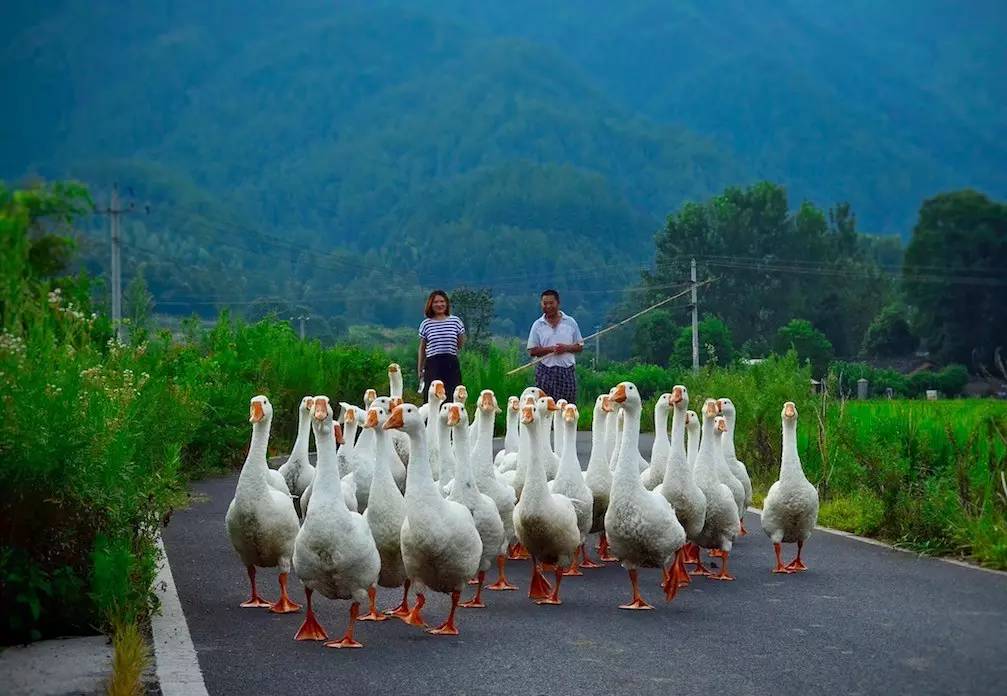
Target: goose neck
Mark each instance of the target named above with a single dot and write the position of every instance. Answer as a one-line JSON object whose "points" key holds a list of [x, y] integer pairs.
{"points": [[627, 468], [790, 464]]}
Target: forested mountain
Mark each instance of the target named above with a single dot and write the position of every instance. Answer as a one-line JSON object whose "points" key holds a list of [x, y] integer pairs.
{"points": [[309, 156]]}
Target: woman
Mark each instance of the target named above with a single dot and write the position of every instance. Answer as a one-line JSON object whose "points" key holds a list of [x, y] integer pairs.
{"points": [[441, 336]]}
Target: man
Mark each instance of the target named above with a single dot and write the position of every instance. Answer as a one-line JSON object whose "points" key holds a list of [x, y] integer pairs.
{"points": [[555, 338]]}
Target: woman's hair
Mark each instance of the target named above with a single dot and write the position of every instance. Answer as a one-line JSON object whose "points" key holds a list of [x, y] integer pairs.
{"points": [[428, 309]]}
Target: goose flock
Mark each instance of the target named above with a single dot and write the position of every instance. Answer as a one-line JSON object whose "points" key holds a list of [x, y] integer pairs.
{"points": [[413, 497]]}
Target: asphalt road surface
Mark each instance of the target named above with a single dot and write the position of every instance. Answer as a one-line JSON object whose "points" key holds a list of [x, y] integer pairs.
{"points": [[863, 619]]}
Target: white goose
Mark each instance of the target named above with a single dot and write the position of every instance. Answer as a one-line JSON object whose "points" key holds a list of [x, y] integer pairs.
{"points": [[362, 462], [790, 510], [491, 483], [261, 522], [335, 552], [679, 485], [400, 441], [642, 528], [558, 432], [441, 548], [545, 523], [737, 467], [386, 509], [653, 475], [395, 464], [347, 440], [436, 395], [347, 482], [297, 471], [599, 477], [693, 428], [721, 524], [726, 475], [569, 481], [510, 438], [465, 491]]}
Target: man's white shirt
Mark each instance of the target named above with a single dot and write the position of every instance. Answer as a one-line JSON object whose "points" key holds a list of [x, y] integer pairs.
{"points": [[543, 335]]}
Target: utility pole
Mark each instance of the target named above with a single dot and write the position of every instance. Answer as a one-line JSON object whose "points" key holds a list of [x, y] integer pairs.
{"points": [[116, 270], [597, 346], [695, 320], [302, 318]]}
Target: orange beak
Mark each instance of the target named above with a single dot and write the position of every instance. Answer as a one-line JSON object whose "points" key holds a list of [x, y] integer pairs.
{"points": [[550, 404], [789, 410], [676, 395], [395, 420], [720, 406], [527, 414], [393, 368], [487, 403], [570, 414], [372, 419], [606, 403], [454, 415], [620, 394], [722, 426], [322, 409], [255, 412], [337, 432], [439, 391], [351, 415], [711, 408]]}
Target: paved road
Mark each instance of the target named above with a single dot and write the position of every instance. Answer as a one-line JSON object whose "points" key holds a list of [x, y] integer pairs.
{"points": [[863, 620]]}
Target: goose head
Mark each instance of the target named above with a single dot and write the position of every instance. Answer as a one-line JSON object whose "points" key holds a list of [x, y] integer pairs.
{"points": [[461, 394], [488, 402], [307, 404], [710, 409], [663, 404], [570, 414], [513, 404], [453, 415], [626, 395], [375, 417], [691, 422], [382, 402], [545, 405], [321, 421], [533, 392], [725, 407], [789, 412], [369, 396], [680, 397], [719, 425], [393, 368], [528, 414], [405, 417], [260, 410], [437, 391], [349, 413], [561, 404], [606, 403]]}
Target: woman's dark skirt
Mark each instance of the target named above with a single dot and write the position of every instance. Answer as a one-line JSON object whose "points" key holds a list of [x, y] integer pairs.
{"points": [[444, 367]]}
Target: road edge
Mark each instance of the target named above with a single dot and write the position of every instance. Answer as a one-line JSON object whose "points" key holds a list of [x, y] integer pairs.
{"points": [[178, 669], [885, 545]]}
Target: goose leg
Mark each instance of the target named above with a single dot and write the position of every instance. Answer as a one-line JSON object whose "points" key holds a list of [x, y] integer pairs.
{"points": [[517, 552], [697, 561], [477, 601], [683, 574], [501, 583], [743, 532], [403, 608], [372, 600], [255, 601], [586, 561], [539, 587], [414, 618], [797, 565], [723, 574], [603, 554], [284, 605], [574, 568], [637, 602], [310, 629], [347, 640], [448, 628], [780, 568], [554, 597]]}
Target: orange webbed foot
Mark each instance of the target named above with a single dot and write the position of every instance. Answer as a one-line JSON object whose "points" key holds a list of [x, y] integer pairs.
{"points": [[343, 643], [256, 602]]}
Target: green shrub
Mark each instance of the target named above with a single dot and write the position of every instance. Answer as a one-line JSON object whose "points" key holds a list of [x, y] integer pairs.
{"points": [[810, 343]]}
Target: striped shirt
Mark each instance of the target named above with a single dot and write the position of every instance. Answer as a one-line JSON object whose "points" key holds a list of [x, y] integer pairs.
{"points": [[442, 335]]}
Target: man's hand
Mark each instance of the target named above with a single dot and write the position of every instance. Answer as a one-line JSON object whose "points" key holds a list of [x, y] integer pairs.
{"points": [[561, 348]]}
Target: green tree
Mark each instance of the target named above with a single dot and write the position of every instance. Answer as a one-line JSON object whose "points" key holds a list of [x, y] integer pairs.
{"points": [[655, 336], [810, 343], [954, 276], [715, 344], [139, 305], [475, 307], [889, 334]]}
